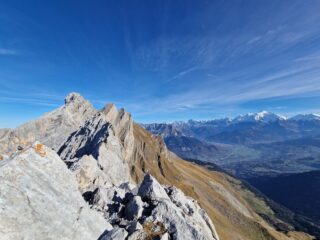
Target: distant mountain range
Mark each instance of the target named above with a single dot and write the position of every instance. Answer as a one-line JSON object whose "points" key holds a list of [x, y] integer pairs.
{"points": [[265, 122], [268, 143]]}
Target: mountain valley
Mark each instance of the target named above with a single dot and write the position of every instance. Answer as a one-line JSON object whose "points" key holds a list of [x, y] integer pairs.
{"points": [[250, 145]]}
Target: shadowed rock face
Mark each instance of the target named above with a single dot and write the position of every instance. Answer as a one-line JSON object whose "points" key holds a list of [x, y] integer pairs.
{"points": [[104, 137], [51, 129]]}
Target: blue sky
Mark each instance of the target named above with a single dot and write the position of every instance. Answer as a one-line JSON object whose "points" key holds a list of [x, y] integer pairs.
{"points": [[161, 60]]}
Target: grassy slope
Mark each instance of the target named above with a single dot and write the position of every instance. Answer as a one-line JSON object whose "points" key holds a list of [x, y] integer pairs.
{"points": [[233, 211]]}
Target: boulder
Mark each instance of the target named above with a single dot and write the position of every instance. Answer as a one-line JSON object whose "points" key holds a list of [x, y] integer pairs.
{"points": [[88, 174], [134, 208], [138, 235], [114, 234], [108, 201], [151, 189]]}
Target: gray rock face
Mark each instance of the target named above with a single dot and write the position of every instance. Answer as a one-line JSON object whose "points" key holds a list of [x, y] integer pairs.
{"points": [[99, 140], [89, 174], [39, 199], [151, 189], [157, 211], [109, 202], [52, 129], [181, 216], [123, 126]]}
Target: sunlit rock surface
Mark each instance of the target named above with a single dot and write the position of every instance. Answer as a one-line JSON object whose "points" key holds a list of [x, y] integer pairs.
{"points": [[39, 199]]}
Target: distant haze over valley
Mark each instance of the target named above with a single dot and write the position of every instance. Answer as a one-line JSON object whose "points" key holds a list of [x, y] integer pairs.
{"points": [[253, 144]]}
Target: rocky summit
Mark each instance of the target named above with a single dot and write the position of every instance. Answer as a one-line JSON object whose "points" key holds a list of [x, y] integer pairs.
{"points": [[80, 173], [50, 129]]}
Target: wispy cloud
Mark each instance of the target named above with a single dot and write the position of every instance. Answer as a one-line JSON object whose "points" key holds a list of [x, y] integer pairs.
{"points": [[254, 39], [29, 101], [8, 52], [183, 73], [294, 79]]}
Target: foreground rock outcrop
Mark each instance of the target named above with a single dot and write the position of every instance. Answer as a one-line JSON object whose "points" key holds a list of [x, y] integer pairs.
{"points": [[39, 199], [151, 211]]}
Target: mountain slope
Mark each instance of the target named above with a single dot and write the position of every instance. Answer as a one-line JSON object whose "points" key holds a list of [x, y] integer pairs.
{"points": [[111, 135], [298, 192], [227, 201]]}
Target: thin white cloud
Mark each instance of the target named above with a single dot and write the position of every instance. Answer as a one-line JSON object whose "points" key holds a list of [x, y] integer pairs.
{"points": [[29, 101], [254, 39], [183, 73], [239, 87], [8, 52]]}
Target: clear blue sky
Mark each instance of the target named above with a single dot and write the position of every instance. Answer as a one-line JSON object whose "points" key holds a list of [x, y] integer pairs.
{"points": [[161, 60]]}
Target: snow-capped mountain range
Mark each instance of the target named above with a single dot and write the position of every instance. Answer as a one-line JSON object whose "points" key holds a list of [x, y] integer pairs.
{"points": [[262, 116], [249, 128], [306, 117]]}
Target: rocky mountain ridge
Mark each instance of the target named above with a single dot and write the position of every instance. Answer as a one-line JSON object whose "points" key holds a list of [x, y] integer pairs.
{"points": [[51, 129], [112, 159]]}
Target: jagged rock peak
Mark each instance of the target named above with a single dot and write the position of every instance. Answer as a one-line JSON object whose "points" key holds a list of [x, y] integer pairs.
{"points": [[77, 105], [110, 107], [52, 129], [73, 97], [115, 116]]}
